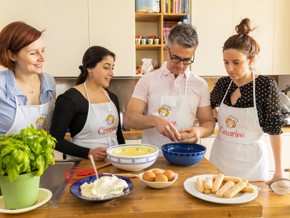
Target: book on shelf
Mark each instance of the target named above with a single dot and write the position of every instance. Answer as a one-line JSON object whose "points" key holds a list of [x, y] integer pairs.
{"points": [[176, 6], [167, 26], [147, 6]]}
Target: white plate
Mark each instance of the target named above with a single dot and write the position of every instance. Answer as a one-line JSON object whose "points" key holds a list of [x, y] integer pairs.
{"points": [[158, 185], [190, 187], [44, 196]]}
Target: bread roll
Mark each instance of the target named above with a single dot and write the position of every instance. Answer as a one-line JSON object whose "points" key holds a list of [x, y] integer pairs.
{"points": [[199, 185], [235, 190], [224, 188], [217, 182]]}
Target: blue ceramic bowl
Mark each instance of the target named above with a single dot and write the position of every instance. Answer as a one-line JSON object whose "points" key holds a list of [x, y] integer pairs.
{"points": [[183, 154]]}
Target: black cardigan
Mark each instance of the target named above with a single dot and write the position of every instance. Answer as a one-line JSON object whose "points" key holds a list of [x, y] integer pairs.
{"points": [[70, 113]]}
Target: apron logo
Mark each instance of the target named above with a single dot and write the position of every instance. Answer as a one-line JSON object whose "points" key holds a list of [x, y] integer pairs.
{"points": [[41, 121], [234, 134], [231, 122], [164, 110], [110, 119], [106, 131]]}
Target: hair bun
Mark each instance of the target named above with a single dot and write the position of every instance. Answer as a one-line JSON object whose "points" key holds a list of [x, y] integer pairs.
{"points": [[244, 28]]}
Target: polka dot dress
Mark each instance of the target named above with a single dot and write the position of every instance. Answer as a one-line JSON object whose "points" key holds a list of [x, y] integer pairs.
{"points": [[267, 98]]}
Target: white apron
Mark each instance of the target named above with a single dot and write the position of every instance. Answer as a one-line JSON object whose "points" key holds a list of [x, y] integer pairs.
{"points": [[239, 149], [100, 127], [172, 108], [38, 115]]}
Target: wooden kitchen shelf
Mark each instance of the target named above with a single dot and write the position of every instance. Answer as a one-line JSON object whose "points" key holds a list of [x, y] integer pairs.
{"points": [[149, 47], [152, 24]]}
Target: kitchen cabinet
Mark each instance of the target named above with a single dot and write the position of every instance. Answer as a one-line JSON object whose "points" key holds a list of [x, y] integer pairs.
{"points": [[281, 63], [152, 24], [66, 35], [207, 142], [72, 30], [215, 24], [111, 24], [26, 11]]}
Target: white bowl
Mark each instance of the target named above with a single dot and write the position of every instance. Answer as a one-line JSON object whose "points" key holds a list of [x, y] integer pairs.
{"points": [[132, 157], [158, 185]]}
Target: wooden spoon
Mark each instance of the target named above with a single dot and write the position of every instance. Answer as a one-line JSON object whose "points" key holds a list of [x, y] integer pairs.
{"points": [[126, 175]]}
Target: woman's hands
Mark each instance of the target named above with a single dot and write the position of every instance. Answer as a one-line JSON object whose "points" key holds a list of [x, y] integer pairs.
{"points": [[99, 154], [277, 175]]}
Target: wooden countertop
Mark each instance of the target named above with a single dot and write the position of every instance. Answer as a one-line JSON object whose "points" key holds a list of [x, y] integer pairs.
{"points": [[286, 129], [133, 134], [173, 201]]}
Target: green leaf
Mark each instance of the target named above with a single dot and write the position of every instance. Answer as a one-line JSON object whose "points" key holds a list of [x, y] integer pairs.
{"points": [[13, 170], [17, 155], [30, 150]]}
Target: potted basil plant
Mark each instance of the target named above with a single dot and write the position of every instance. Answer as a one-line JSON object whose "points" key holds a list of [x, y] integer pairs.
{"points": [[23, 159]]}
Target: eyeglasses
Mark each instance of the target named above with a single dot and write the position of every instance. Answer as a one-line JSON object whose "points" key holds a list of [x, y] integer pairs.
{"points": [[176, 59]]}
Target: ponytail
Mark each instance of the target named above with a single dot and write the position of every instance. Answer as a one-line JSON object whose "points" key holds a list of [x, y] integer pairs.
{"points": [[83, 75]]}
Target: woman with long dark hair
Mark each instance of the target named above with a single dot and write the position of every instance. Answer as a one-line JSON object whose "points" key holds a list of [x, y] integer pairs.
{"points": [[89, 111]]}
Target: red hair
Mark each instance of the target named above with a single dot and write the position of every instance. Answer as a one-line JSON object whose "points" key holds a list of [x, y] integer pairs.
{"points": [[13, 38]]}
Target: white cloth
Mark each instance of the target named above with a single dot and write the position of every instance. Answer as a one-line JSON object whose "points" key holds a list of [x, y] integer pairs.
{"points": [[38, 115], [239, 149], [100, 127], [171, 107]]}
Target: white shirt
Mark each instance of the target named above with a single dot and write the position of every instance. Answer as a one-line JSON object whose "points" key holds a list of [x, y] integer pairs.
{"points": [[198, 94]]}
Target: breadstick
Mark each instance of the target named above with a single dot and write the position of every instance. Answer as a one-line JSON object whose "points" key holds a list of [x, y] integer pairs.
{"points": [[208, 182], [217, 182], [207, 191], [235, 189], [245, 180], [224, 188], [199, 185], [232, 178], [248, 189]]}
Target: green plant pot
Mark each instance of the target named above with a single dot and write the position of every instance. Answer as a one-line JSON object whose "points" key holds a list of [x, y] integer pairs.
{"points": [[21, 193]]}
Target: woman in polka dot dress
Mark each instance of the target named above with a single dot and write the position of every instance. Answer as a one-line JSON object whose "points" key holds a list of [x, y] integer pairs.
{"points": [[246, 105]]}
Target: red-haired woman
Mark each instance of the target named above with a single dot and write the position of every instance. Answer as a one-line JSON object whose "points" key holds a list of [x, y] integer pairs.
{"points": [[26, 92]]}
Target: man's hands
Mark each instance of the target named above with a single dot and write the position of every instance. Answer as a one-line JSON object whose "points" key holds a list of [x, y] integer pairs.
{"points": [[167, 129]]}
